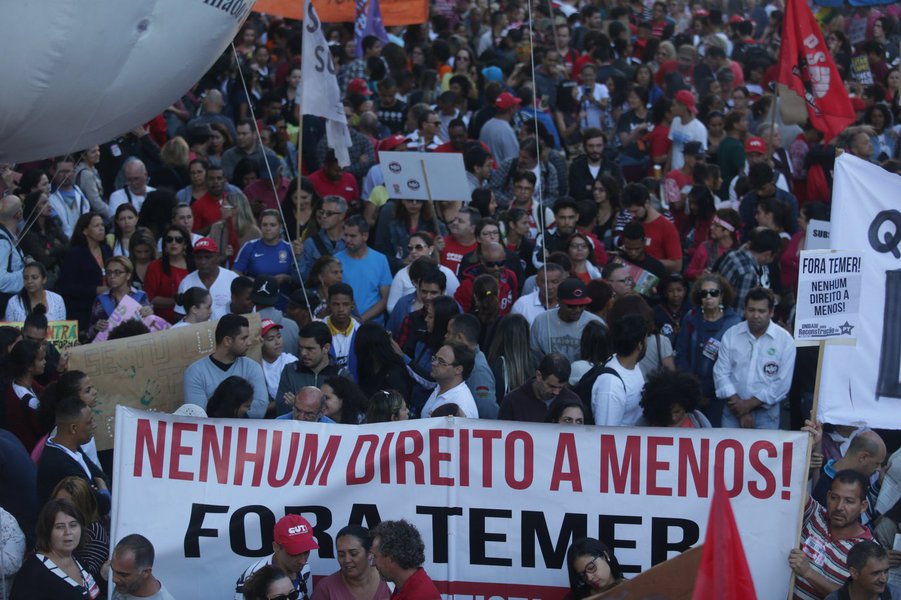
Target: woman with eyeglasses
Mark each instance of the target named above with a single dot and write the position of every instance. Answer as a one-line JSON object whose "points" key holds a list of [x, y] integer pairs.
{"points": [[410, 216], [165, 274], [698, 342], [356, 576], [421, 246], [270, 583], [592, 568], [118, 276], [581, 252]]}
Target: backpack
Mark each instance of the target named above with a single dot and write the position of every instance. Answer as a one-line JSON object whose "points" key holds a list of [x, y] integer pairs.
{"points": [[583, 388]]}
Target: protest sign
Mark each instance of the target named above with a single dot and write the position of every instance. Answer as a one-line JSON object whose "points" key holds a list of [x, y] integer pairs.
{"points": [[130, 309], [497, 503], [671, 580], [61, 334], [828, 305], [425, 175], [817, 237], [862, 384], [146, 371]]}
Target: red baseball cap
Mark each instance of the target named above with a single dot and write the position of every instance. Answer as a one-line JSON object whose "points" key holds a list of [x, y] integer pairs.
{"points": [[756, 144], [267, 325], [688, 99], [393, 141], [206, 244], [506, 101], [295, 535], [358, 85], [736, 18]]}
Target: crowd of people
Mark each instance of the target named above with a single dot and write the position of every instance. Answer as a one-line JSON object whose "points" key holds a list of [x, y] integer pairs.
{"points": [[628, 257]]}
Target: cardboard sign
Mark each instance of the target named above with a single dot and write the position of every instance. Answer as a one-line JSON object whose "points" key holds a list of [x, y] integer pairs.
{"points": [[61, 334], [146, 371], [497, 504], [425, 175], [828, 305], [817, 235]]}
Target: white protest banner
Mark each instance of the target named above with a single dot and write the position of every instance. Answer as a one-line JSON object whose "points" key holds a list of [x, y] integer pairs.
{"points": [[862, 384], [425, 175], [828, 305], [817, 237], [498, 503]]}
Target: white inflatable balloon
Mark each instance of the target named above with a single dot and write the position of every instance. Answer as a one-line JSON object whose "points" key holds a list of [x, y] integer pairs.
{"points": [[76, 74]]}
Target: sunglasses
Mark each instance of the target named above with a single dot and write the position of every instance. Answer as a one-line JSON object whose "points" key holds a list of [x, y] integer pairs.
{"points": [[294, 595], [416, 247], [174, 240], [493, 263], [709, 294]]}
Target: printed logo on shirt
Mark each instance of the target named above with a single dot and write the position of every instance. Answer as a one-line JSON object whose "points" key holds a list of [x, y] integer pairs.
{"points": [[282, 256], [771, 352], [771, 368]]}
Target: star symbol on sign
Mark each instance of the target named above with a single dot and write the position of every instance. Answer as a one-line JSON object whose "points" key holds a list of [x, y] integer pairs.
{"points": [[846, 328]]}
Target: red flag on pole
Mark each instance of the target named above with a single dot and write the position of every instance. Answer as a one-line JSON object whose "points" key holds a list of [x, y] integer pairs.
{"points": [[723, 572], [806, 67]]}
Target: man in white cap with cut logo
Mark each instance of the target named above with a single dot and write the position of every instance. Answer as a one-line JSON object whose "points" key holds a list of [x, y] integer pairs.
{"points": [[291, 553]]}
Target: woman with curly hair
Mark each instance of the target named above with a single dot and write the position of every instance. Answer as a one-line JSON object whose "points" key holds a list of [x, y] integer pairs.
{"points": [[671, 399]]}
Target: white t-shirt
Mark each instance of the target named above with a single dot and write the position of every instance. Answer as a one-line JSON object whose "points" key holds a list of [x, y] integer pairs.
{"points": [[273, 371], [459, 395], [220, 291], [682, 134], [617, 403], [121, 197]]}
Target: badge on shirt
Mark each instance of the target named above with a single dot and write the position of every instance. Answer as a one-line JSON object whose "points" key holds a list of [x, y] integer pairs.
{"points": [[815, 549], [771, 368], [711, 348]]}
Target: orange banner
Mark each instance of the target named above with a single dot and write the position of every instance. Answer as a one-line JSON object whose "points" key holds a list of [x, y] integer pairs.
{"points": [[394, 12]]}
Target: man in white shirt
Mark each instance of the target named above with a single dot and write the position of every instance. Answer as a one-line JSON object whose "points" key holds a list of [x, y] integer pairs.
{"points": [[451, 366], [754, 366], [210, 276], [685, 128], [135, 190], [616, 394], [544, 297]]}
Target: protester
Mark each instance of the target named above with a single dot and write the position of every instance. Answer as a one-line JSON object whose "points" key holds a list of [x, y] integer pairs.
{"points": [[399, 553], [166, 273], [34, 292], [316, 365], [592, 568], [231, 399], [868, 574], [53, 572], [344, 401], [569, 412], [356, 576], [210, 276], [131, 567], [560, 329], [386, 406], [95, 544], [81, 277], [509, 355], [197, 304], [119, 270], [293, 541]]}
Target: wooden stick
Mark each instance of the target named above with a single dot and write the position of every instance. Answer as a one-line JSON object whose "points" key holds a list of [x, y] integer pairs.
{"points": [[299, 175], [813, 416]]}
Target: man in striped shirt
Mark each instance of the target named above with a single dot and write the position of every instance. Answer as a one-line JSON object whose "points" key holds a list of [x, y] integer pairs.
{"points": [[829, 533]]}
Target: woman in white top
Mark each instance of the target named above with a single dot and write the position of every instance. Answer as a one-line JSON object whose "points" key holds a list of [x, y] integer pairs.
{"points": [[198, 305], [420, 244], [33, 293]]}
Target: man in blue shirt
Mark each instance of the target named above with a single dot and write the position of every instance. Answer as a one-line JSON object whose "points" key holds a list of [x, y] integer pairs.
{"points": [[365, 270], [308, 405]]}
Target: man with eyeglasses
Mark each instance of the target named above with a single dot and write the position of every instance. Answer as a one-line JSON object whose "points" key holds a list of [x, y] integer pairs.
{"points": [[428, 135], [560, 329], [307, 405], [452, 365], [67, 201], [329, 240], [492, 262], [292, 543]]}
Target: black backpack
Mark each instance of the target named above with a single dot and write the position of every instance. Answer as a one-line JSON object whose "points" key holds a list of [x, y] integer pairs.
{"points": [[583, 388]]}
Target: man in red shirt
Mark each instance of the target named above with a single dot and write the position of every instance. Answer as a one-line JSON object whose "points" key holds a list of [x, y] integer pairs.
{"points": [[662, 239], [462, 238], [678, 180], [332, 180], [208, 208], [399, 553]]}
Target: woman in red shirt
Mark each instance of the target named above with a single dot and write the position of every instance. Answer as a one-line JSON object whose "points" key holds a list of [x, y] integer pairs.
{"points": [[165, 273]]}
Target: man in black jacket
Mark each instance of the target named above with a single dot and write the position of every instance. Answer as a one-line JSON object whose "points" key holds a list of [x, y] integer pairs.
{"points": [[63, 456], [586, 169]]}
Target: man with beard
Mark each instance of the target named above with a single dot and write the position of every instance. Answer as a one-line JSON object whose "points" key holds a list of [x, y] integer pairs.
{"points": [[754, 366], [131, 569], [586, 169]]}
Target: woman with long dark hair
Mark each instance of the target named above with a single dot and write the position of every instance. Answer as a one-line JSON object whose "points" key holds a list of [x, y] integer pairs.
{"points": [[344, 401], [378, 367], [124, 224], [302, 194], [166, 273], [34, 292], [198, 305], [422, 347], [44, 241], [592, 568], [510, 356], [231, 399], [81, 277]]}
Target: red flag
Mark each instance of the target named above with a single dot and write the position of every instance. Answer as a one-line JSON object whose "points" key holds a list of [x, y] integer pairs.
{"points": [[723, 572], [806, 67]]}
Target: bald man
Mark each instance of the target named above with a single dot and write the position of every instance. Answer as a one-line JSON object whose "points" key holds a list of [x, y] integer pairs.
{"points": [[136, 188], [492, 257], [213, 103], [12, 261], [865, 454], [307, 405]]}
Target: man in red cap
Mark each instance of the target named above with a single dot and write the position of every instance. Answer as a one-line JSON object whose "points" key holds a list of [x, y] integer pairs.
{"points": [[210, 276], [497, 133], [293, 541], [685, 128]]}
